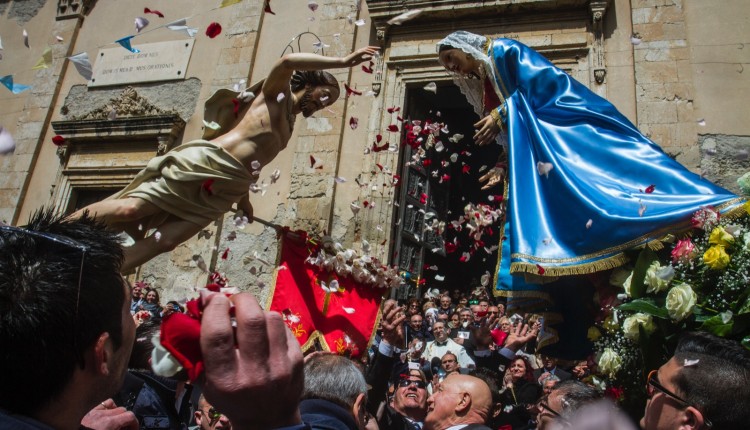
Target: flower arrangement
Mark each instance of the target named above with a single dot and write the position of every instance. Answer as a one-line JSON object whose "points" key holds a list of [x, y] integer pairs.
{"points": [[699, 283], [365, 269]]}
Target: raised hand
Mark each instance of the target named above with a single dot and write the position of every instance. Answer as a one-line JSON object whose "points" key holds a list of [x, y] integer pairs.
{"points": [[254, 377], [518, 336], [392, 323], [360, 56]]}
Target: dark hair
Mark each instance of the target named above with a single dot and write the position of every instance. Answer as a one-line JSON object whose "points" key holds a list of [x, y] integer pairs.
{"points": [[142, 346], [445, 48], [717, 367], [46, 323], [574, 394], [314, 78], [150, 289], [529, 375]]}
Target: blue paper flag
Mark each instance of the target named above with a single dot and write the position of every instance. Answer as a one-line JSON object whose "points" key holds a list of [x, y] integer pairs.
{"points": [[14, 88], [125, 43]]}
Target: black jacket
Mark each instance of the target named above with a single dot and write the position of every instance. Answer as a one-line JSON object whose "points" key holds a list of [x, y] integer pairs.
{"points": [[324, 415]]}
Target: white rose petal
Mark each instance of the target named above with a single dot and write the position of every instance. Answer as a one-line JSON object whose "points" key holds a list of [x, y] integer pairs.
{"points": [[544, 168]]}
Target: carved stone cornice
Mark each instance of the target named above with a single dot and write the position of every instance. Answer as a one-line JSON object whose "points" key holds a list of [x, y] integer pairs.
{"points": [[128, 104], [598, 9], [450, 13]]}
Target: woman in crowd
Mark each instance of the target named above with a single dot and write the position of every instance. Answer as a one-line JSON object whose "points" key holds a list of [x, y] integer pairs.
{"points": [[520, 395], [152, 303]]}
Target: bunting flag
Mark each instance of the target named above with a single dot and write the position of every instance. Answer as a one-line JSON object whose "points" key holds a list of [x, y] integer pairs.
{"points": [[320, 305], [225, 3], [7, 80], [125, 43], [82, 64], [45, 61]]}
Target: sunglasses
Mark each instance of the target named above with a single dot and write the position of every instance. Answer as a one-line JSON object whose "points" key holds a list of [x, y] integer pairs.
{"points": [[652, 385], [543, 406], [403, 383]]}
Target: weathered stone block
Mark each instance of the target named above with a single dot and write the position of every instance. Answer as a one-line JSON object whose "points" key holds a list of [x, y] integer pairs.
{"points": [[656, 72], [305, 185], [657, 112]]}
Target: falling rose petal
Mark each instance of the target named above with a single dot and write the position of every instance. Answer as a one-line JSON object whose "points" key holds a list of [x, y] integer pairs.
{"points": [[267, 8], [393, 109], [312, 5], [635, 40], [379, 166], [445, 178], [544, 168], [25, 38], [495, 198], [589, 223], [355, 208], [400, 19], [213, 30], [140, 23], [236, 107], [483, 168], [207, 186], [255, 164], [280, 97], [359, 22], [312, 161], [456, 137], [353, 122], [58, 140], [7, 144], [348, 310], [59, 38], [689, 363], [465, 169], [275, 176], [540, 269], [378, 138], [339, 180], [350, 91], [439, 277], [320, 45], [641, 209], [368, 69], [439, 147], [465, 257], [431, 87], [213, 125], [155, 12], [650, 189], [232, 236], [225, 254], [393, 128], [423, 198], [702, 122]]}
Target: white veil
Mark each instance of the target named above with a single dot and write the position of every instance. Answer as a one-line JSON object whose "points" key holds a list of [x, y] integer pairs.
{"points": [[472, 44]]}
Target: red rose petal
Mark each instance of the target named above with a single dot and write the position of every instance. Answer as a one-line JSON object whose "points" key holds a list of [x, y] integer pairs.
{"points": [[393, 128], [350, 91], [207, 184], [213, 30], [380, 166], [353, 123], [225, 254], [155, 12], [58, 140], [465, 168], [540, 269], [650, 189], [393, 109], [378, 138], [267, 8], [312, 161]]}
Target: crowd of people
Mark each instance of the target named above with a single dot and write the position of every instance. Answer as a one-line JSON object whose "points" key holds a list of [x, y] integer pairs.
{"points": [[435, 367]]}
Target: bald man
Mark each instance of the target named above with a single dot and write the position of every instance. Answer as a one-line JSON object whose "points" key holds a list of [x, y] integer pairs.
{"points": [[462, 402]]}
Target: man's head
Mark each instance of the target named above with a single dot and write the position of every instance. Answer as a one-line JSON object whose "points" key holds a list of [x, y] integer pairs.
{"points": [[65, 319], [548, 362], [415, 322], [445, 302], [338, 380], [459, 399], [410, 397], [484, 304], [692, 390], [449, 362], [136, 293], [466, 316], [549, 383], [209, 418], [416, 347], [320, 88], [443, 318], [563, 401], [440, 331]]}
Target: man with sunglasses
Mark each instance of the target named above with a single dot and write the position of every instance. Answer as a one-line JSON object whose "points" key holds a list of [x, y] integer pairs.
{"points": [[407, 409], [705, 385]]}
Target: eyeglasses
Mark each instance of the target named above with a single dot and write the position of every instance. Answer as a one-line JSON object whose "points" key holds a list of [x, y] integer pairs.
{"points": [[543, 406], [403, 383], [652, 384]]}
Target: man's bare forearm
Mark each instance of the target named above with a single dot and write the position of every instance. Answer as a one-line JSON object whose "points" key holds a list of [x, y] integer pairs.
{"points": [[305, 61]]}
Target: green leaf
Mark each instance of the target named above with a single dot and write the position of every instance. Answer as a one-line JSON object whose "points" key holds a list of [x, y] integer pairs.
{"points": [[746, 342], [645, 306], [645, 258], [716, 326]]}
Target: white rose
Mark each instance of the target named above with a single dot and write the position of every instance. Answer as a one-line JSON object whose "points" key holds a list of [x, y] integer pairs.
{"points": [[631, 324], [680, 301], [610, 362], [619, 276], [626, 284], [655, 282]]}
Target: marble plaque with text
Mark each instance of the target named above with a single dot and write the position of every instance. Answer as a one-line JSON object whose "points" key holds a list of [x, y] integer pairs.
{"points": [[162, 61]]}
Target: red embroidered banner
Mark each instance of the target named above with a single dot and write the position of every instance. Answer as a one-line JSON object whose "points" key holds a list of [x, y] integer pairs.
{"points": [[341, 319]]}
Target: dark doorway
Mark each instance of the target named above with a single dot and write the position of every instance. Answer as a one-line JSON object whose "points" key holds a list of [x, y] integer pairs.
{"points": [[439, 191]]}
